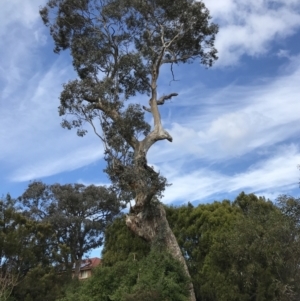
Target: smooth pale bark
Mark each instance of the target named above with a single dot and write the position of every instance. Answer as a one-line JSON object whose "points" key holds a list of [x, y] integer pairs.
{"points": [[154, 227]]}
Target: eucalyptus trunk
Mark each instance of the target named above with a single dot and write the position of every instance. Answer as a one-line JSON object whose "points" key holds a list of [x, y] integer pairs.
{"points": [[155, 229], [147, 218]]}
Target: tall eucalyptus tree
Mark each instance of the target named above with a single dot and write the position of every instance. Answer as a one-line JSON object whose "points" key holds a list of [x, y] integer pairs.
{"points": [[118, 48]]}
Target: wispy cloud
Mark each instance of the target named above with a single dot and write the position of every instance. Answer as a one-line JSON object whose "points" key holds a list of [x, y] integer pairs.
{"points": [[33, 145], [21, 35], [242, 119], [65, 160], [16, 12], [249, 27], [32, 142], [278, 174], [254, 121], [269, 177]]}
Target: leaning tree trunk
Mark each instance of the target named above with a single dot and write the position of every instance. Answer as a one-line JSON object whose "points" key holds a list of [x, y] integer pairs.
{"points": [[147, 218], [137, 177], [147, 184], [154, 227]]}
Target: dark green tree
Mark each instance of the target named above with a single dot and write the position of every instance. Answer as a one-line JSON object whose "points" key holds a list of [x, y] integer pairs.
{"points": [[118, 48], [26, 256], [196, 229], [78, 215], [42, 283], [254, 259], [290, 207], [9, 276]]}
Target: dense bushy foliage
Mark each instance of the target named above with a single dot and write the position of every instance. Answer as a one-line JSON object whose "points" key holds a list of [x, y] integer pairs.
{"points": [[242, 250], [155, 277], [245, 250], [121, 244], [196, 229], [248, 249]]}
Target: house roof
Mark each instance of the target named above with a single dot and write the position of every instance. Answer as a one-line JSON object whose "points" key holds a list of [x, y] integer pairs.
{"points": [[86, 264], [89, 263]]}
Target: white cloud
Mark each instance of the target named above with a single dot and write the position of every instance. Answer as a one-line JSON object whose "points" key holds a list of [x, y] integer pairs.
{"points": [[277, 171], [249, 27], [242, 119], [272, 176], [21, 12], [283, 53], [32, 142], [21, 33], [65, 160]]}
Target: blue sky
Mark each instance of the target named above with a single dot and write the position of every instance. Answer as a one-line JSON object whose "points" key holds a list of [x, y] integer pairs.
{"points": [[235, 126]]}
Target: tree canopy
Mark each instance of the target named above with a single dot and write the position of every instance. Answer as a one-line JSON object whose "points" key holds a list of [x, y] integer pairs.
{"points": [[27, 261], [78, 215], [118, 48]]}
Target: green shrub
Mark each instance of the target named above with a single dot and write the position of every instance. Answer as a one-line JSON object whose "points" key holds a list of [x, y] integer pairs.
{"points": [[156, 277]]}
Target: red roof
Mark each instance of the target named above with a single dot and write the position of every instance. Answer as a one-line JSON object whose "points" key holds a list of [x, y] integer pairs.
{"points": [[89, 263]]}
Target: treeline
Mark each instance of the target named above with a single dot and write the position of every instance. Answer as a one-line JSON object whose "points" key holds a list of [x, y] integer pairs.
{"points": [[248, 249], [244, 250]]}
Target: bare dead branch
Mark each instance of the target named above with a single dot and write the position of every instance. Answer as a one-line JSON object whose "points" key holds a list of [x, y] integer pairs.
{"points": [[162, 99]]}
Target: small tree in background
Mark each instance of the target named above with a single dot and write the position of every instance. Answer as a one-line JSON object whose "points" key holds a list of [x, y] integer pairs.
{"points": [[78, 215], [25, 246]]}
